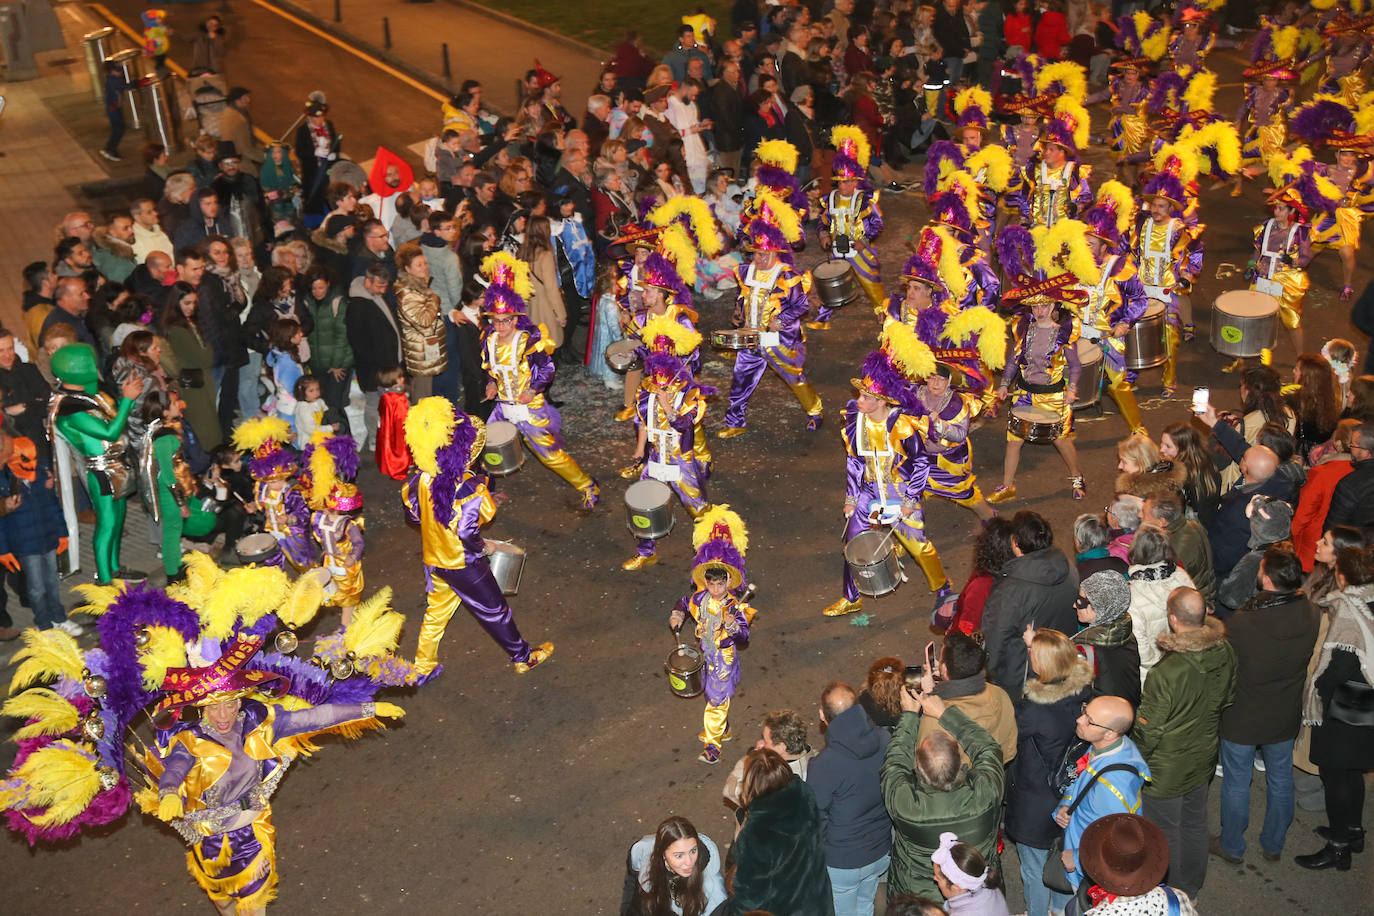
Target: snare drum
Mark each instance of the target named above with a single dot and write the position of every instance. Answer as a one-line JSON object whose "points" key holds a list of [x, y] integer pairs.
{"points": [[259, 548], [736, 338], [873, 563], [507, 564], [1089, 390], [835, 283], [502, 454], [1035, 424], [649, 509], [1145, 339], [623, 355], [1244, 322]]}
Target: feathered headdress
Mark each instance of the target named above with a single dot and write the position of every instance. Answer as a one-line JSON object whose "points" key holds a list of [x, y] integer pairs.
{"points": [[775, 225], [1064, 247], [939, 246], [694, 215], [662, 334], [1111, 216], [1063, 79], [1218, 141], [982, 324], [943, 158], [906, 351], [677, 246], [1069, 126], [852, 153], [720, 522], [267, 438], [333, 464], [503, 269], [880, 377], [444, 442], [922, 269], [660, 272], [1328, 121], [1176, 167], [778, 154], [1142, 36], [952, 210], [1166, 93], [1201, 90], [1016, 252], [996, 165], [971, 107], [721, 541]]}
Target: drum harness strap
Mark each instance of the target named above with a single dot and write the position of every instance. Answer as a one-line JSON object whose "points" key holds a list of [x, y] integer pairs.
{"points": [[878, 459], [844, 221], [1156, 259], [665, 438], [1097, 303], [1274, 256], [760, 286], [507, 374]]}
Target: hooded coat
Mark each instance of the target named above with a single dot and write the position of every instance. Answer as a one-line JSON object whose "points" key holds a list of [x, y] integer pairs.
{"points": [[1046, 719], [1039, 587], [844, 777], [1273, 636], [779, 857], [1150, 588], [1177, 725]]}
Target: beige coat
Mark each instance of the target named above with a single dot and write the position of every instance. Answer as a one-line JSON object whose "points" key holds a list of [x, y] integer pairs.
{"points": [[233, 125], [546, 305], [992, 709], [422, 327]]}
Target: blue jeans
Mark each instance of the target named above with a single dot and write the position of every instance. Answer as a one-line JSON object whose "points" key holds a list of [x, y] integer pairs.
{"points": [[250, 402], [1040, 900], [855, 888], [45, 595], [1236, 772]]}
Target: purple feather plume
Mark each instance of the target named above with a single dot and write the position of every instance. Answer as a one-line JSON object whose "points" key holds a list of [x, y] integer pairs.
{"points": [[774, 177], [887, 378], [1319, 120], [1016, 252], [722, 551], [1312, 196], [1263, 46], [279, 462], [940, 151], [1026, 69], [138, 607], [950, 210], [344, 450], [1164, 85]]}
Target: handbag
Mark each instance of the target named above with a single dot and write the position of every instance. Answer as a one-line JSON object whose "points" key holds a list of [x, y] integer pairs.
{"points": [[1352, 703], [1054, 875]]}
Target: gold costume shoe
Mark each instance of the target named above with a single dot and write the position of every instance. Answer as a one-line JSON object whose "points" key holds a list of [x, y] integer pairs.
{"points": [[818, 325], [1236, 366], [842, 607], [730, 432], [1001, 494], [631, 472], [537, 657], [627, 413], [638, 562]]}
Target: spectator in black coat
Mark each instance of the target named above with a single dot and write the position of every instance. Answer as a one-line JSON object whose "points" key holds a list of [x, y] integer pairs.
{"points": [[727, 113], [760, 123], [1352, 502], [25, 394], [800, 127], [375, 336], [1229, 533], [208, 222], [371, 246], [1107, 637]]}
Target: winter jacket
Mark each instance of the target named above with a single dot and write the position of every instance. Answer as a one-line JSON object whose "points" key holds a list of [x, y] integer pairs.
{"points": [[113, 258], [1176, 726], [374, 334], [546, 306], [422, 326], [1314, 501], [1229, 531], [1189, 541], [1352, 499], [844, 777], [1150, 588], [1097, 560], [1272, 636], [446, 275], [1099, 800], [1112, 651], [36, 525], [332, 253], [779, 856], [24, 384], [987, 704], [329, 348], [920, 814], [1046, 719], [1337, 744], [1039, 587]]}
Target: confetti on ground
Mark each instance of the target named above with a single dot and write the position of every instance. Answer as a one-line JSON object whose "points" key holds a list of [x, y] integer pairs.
{"points": [[860, 620]]}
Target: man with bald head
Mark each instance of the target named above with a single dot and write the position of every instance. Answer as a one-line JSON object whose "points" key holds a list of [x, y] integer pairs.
{"points": [[1229, 530], [844, 777], [1110, 780], [1178, 730], [1352, 502]]}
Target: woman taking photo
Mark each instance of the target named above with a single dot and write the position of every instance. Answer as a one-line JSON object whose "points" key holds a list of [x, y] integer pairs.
{"points": [[189, 358], [673, 872], [1182, 444]]}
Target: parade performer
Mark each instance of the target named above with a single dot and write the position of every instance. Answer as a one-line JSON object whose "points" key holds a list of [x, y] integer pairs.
{"points": [[1144, 40], [943, 416], [1168, 252], [629, 253], [1191, 43], [886, 466], [1055, 185], [517, 358], [94, 428], [670, 410], [773, 298], [335, 522], [1114, 303], [1022, 141], [1044, 370], [1278, 267], [1346, 49], [978, 180], [775, 171], [696, 225], [955, 216], [167, 479], [81, 764], [664, 295], [451, 504], [991, 166], [720, 623], [850, 220], [1263, 115], [274, 467], [1350, 132]]}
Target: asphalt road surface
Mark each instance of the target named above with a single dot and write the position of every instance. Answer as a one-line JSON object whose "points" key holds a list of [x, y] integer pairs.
{"points": [[506, 794]]}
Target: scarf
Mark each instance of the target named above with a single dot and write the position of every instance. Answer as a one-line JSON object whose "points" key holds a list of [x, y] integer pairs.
{"points": [[1352, 629]]}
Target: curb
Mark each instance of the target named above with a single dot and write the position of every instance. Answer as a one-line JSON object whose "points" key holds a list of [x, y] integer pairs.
{"points": [[600, 54]]}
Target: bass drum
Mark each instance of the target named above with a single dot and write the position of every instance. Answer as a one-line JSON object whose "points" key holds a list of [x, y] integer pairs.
{"points": [[1089, 390]]}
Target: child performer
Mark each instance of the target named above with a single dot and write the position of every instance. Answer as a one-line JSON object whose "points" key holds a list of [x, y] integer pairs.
{"points": [[273, 466], [335, 523]]}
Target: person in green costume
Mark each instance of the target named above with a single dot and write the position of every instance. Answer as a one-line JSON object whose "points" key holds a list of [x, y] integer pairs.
{"points": [[94, 428], [164, 474]]}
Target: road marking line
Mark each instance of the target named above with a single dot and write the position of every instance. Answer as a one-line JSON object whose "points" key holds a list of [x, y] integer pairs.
{"points": [[361, 55]]}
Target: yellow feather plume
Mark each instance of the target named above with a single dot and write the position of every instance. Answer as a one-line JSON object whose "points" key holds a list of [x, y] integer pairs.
{"points": [[780, 213], [908, 352], [972, 96], [1201, 91], [949, 265], [996, 163], [1072, 110], [990, 329], [1284, 41], [1071, 76], [201, 571], [59, 777], [779, 154], [961, 182], [1326, 187], [247, 592], [1324, 4], [322, 476], [1154, 46], [677, 247], [46, 655], [1364, 118], [165, 649], [1119, 197], [97, 597], [517, 269], [698, 213], [375, 628], [720, 514], [1065, 247], [1220, 136], [52, 714], [1186, 157], [848, 134], [304, 600], [429, 427], [685, 340], [257, 431], [1285, 169]]}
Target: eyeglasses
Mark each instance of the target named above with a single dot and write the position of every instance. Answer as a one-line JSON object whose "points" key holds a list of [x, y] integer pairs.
{"points": [[1089, 720]]}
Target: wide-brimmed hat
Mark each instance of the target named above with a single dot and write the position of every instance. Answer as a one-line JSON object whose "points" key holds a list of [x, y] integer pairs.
{"points": [[226, 679], [654, 93], [1124, 854], [1288, 194]]}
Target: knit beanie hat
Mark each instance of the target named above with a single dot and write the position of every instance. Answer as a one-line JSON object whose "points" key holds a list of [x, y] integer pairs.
{"points": [[1271, 521], [1109, 593]]}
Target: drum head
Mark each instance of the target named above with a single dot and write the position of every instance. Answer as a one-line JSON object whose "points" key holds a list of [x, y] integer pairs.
{"points": [[830, 269], [1036, 415], [685, 659], [256, 544], [646, 495], [499, 432], [1155, 310], [1247, 303], [495, 546], [623, 346], [1088, 352], [868, 548]]}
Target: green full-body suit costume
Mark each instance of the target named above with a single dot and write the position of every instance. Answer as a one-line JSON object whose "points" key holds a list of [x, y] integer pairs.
{"points": [[94, 430], [174, 490]]}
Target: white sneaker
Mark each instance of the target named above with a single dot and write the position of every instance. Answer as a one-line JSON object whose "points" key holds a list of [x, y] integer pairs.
{"points": [[70, 627], [1259, 764]]}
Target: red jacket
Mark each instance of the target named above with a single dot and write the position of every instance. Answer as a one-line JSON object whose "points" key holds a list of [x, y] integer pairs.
{"points": [[1016, 31], [1313, 501], [1051, 35], [968, 611]]}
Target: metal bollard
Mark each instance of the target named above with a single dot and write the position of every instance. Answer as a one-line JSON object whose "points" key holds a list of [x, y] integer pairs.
{"points": [[338, 11], [448, 72], [130, 63], [97, 47], [386, 33]]}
